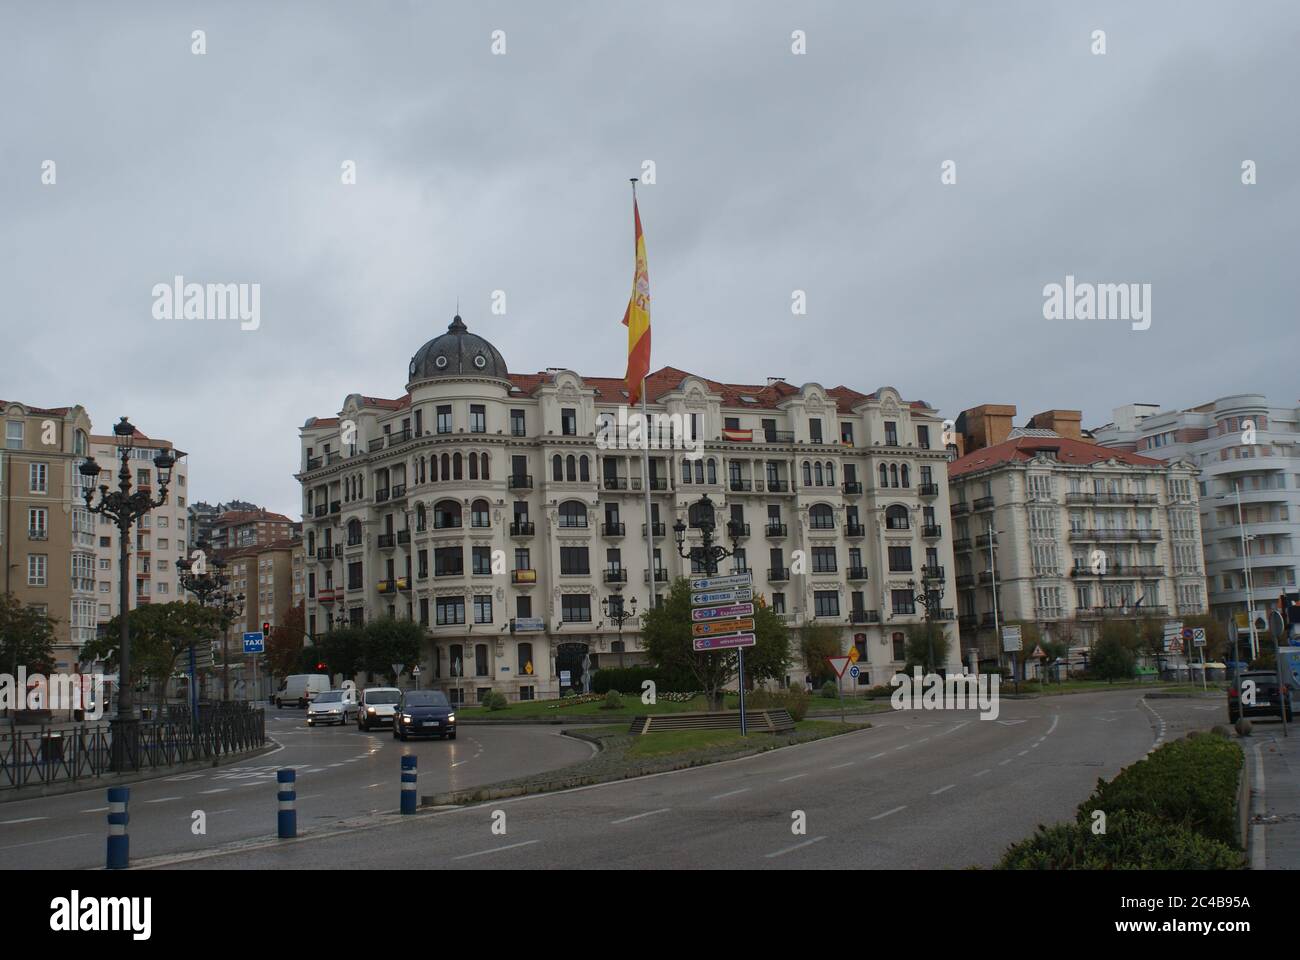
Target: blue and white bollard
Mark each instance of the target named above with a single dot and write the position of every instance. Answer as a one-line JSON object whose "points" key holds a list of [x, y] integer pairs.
{"points": [[288, 795], [119, 844], [408, 783]]}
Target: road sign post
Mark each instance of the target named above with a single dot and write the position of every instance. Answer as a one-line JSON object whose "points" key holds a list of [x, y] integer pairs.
{"points": [[722, 618]]}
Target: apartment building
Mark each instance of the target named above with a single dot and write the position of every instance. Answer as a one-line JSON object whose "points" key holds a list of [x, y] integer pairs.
{"points": [[505, 512], [238, 529], [1071, 532], [48, 535], [1245, 446], [160, 538], [270, 577], [203, 517]]}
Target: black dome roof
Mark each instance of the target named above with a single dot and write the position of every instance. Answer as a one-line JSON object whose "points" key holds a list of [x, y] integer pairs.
{"points": [[457, 353]]}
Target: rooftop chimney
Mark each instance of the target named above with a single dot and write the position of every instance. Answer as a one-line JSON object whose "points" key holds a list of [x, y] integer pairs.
{"points": [[1066, 423], [984, 426]]}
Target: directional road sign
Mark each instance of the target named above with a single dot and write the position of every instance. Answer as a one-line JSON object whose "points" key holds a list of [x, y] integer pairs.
{"points": [[722, 612], [716, 628], [703, 644], [722, 583], [739, 595]]}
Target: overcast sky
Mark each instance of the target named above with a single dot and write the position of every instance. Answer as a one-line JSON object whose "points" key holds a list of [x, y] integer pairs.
{"points": [[775, 172]]}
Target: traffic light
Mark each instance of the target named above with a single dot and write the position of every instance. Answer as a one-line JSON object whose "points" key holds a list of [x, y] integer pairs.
{"points": [[320, 667], [266, 630]]}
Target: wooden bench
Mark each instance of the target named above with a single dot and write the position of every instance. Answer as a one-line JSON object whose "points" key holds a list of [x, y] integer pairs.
{"points": [[764, 721]]}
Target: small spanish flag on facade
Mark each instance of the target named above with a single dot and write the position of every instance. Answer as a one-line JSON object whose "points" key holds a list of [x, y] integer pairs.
{"points": [[637, 317]]}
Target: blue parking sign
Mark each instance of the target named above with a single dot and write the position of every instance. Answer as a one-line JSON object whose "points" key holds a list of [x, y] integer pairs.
{"points": [[254, 642]]}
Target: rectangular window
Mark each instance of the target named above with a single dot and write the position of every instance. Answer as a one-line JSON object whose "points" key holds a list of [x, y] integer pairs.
{"points": [[482, 560], [448, 562], [444, 419], [576, 608], [923, 437], [900, 559], [826, 603], [815, 429], [38, 523], [37, 564], [483, 608], [573, 560], [846, 434], [477, 418], [449, 611], [13, 434], [823, 559], [38, 475], [891, 433], [569, 422], [518, 426], [778, 602], [904, 602]]}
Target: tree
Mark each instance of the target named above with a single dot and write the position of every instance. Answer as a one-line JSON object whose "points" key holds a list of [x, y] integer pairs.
{"points": [[926, 647], [284, 648], [342, 651], [160, 633], [1217, 645], [26, 637], [666, 630], [1113, 657], [388, 641], [817, 641]]}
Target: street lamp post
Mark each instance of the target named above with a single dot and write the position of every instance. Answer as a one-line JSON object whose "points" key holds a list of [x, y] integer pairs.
{"points": [[125, 508], [931, 577], [1245, 555], [209, 587], [618, 615], [709, 555]]}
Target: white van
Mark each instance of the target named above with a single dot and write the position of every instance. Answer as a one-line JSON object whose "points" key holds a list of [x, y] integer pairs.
{"points": [[300, 689]]}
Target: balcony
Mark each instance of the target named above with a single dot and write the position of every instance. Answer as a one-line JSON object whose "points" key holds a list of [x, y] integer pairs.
{"points": [[523, 575], [932, 573], [658, 483], [740, 485], [965, 580], [313, 463], [856, 573], [967, 621], [855, 530], [778, 436], [523, 528], [354, 541], [959, 545], [986, 540], [661, 576], [778, 486], [864, 616], [947, 613], [659, 528], [336, 506], [778, 574], [928, 489], [386, 586], [520, 481], [403, 584], [616, 529], [320, 510], [387, 541], [325, 595], [33, 533], [324, 554], [338, 549], [736, 530], [852, 487], [959, 508], [399, 491], [403, 537], [396, 439], [931, 531], [615, 575], [615, 483], [776, 530], [984, 503], [381, 495], [986, 576]]}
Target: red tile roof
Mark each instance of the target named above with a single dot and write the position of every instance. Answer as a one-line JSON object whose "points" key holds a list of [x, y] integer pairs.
{"points": [[1068, 451], [233, 517], [39, 411]]}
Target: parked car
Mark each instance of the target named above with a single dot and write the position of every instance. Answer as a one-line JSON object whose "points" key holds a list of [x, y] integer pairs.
{"points": [[378, 704], [300, 689], [1268, 697], [333, 706], [424, 713]]}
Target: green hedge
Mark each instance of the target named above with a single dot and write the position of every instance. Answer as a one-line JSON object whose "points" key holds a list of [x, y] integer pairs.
{"points": [[629, 680], [1190, 782], [1133, 841]]}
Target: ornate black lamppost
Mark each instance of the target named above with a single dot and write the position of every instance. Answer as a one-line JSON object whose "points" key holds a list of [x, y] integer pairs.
{"points": [[932, 588], [708, 554], [209, 586], [125, 508], [618, 615]]}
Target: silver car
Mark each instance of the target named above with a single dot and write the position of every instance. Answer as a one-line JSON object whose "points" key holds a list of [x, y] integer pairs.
{"points": [[377, 706], [332, 706]]}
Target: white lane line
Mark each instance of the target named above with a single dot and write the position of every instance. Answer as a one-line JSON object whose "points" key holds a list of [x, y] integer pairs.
{"points": [[729, 793], [310, 796], [1258, 849], [638, 816], [371, 786], [980, 774], [184, 776], [1041, 739], [923, 739], [484, 853], [1022, 753], [797, 846], [1034, 746], [5, 823], [94, 810], [875, 755], [1003, 763], [881, 816], [795, 777], [903, 747], [840, 765], [332, 765], [218, 790], [935, 793], [163, 800], [37, 843], [953, 729], [1055, 717], [317, 770]]}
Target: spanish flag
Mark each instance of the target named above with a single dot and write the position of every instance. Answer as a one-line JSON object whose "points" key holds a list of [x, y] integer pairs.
{"points": [[637, 318]]}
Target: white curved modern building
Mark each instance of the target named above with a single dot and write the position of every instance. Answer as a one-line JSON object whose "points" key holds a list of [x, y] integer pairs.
{"points": [[489, 507]]}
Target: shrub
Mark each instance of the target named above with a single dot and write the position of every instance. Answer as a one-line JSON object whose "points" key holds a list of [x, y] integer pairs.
{"points": [[629, 679], [1134, 840], [492, 700], [612, 701], [830, 691], [795, 701], [1190, 783]]}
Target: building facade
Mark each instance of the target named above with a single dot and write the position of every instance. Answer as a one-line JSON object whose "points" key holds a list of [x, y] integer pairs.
{"points": [[47, 533], [1245, 446], [240, 529], [1072, 533], [505, 512]]}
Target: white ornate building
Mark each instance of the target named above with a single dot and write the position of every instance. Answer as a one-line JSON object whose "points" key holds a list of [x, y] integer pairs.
{"points": [[483, 505]]}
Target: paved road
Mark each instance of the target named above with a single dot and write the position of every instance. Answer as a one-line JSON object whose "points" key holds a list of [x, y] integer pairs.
{"points": [[341, 773], [917, 790]]}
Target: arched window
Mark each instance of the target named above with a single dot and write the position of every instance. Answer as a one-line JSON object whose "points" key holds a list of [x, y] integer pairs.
{"points": [[821, 517], [446, 467], [557, 467], [896, 517], [420, 517], [817, 473], [456, 467], [584, 470], [354, 532], [699, 471], [79, 443], [713, 470], [478, 516], [893, 474], [907, 477], [446, 513], [361, 486], [571, 468], [807, 474], [686, 471], [483, 468], [884, 475], [573, 514], [830, 474], [473, 466]]}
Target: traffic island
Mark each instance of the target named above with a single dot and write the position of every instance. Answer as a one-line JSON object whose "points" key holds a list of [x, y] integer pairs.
{"points": [[622, 756]]}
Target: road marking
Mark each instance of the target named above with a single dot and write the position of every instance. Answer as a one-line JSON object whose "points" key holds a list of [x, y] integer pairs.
{"points": [[935, 793], [638, 816], [218, 790], [981, 773], [317, 770], [1022, 753], [795, 777], [953, 729], [371, 786], [37, 843], [729, 793], [881, 816], [1055, 719], [923, 739], [184, 776], [797, 846], [162, 800], [1003, 763], [874, 755], [5, 823], [1258, 849], [94, 810], [484, 853], [839, 765], [310, 796], [903, 747]]}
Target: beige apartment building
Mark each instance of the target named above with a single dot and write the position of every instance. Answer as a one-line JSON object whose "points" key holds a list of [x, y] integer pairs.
{"points": [[1071, 532], [239, 529], [47, 533], [494, 509], [270, 578]]}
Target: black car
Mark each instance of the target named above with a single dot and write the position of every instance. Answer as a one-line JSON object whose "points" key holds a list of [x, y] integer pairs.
{"points": [[1266, 696], [424, 713]]}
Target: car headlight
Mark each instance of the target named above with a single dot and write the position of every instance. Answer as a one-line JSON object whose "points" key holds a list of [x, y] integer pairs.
{"points": [[370, 709], [406, 718], [451, 718]]}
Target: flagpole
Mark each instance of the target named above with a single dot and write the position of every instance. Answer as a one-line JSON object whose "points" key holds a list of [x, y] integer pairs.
{"points": [[645, 475]]}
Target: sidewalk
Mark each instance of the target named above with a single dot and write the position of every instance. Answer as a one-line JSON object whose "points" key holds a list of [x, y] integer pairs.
{"points": [[1275, 796]]}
